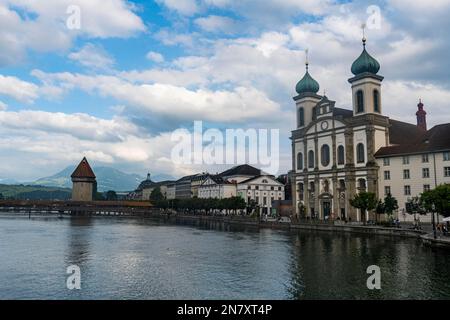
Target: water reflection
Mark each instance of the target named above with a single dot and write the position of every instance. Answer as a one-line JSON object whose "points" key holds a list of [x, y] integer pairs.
{"points": [[78, 240]]}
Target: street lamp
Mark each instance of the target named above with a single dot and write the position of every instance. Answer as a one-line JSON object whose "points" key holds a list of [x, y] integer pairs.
{"points": [[433, 208]]}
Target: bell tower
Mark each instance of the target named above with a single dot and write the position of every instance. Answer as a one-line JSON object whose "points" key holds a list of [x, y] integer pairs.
{"points": [[307, 97], [366, 84], [421, 116]]}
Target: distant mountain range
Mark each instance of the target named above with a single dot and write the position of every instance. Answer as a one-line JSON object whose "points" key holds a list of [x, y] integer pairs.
{"points": [[107, 179]]}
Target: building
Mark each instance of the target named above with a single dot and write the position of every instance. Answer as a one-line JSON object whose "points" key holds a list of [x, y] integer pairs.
{"points": [[263, 190], [84, 182], [246, 182], [217, 187], [420, 163], [337, 152], [146, 187]]}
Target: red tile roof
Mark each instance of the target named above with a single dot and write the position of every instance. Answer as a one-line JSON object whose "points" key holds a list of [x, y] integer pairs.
{"points": [[83, 170]]}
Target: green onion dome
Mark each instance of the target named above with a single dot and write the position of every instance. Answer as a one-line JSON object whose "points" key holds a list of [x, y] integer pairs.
{"points": [[365, 63], [307, 84]]}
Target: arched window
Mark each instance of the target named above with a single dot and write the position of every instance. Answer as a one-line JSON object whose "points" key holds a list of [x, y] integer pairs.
{"points": [[300, 161], [325, 155], [341, 155], [359, 101], [301, 117], [376, 101], [311, 159], [312, 186], [360, 158]]}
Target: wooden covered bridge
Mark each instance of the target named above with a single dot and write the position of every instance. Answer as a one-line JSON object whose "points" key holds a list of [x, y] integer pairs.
{"points": [[112, 208]]}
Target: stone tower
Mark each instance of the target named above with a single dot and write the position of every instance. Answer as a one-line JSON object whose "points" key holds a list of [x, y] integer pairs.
{"points": [[84, 183], [421, 117]]}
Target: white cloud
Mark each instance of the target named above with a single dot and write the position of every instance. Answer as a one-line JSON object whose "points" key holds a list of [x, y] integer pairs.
{"points": [[216, 24], [37, 143], [238, 105], [185, 7], [93, 56], [3, 106], [20, 90], [47, 31], [155, 57]]}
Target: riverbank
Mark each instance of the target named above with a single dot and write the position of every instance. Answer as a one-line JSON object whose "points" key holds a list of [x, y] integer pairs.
{"points": [[316, 226], [254, 222]]}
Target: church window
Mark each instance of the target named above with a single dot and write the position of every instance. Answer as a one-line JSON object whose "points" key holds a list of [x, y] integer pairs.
{"points": [[300, 161], [341, 155], [311, 159], [359, 101], [325, 155], [360, 158], [376, 101], [301, 117]]}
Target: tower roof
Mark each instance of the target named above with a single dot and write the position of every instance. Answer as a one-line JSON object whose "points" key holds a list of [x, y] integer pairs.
{"points": [[365, 63], [307, 84], [83, 170]]}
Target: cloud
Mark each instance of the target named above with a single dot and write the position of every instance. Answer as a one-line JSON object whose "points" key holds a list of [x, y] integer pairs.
{"points": [[93, 56], [216, 24], [184, 7], [238, 105], [3, 106], [155, 57], [99, 19], [20, 90], [37, 143]]}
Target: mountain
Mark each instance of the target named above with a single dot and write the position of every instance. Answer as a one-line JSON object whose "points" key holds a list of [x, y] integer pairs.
{"points": [[25, 192], [107, 179]]}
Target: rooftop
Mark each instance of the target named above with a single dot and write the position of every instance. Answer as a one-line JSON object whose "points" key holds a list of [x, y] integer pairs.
{"points": [[409, 139], [83, 170]]}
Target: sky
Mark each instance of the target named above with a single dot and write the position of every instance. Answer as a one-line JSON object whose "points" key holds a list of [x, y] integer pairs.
{"points": [[112, 79]]}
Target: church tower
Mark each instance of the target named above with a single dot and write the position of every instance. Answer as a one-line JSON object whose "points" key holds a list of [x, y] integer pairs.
{"points": [[421, 117], [307, 98], [84, 182], [366, 84]]}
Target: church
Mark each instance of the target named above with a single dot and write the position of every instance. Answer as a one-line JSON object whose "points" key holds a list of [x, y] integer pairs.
{"points": [[337, 152]]}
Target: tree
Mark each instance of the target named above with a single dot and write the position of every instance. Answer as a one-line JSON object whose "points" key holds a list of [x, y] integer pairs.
{"points": [[156, 196], [1, 197], [390, 205], [439, 198], [364, 201], [415, 206], [111, 195]]}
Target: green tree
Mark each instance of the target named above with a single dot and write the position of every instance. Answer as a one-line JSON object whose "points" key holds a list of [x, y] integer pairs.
{"points": [[364, 201], [390, 205], [156, 196], [111, 195], [439, 198], [1, 196]]}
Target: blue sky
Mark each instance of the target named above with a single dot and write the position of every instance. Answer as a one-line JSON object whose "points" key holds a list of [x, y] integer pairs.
{"points": [[115, 89]]}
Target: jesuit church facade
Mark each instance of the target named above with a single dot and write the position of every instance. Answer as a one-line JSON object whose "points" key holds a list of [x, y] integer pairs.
{"points": [[334, 150]]}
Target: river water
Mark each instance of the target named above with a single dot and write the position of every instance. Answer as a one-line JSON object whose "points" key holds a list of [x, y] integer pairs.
{"points": [[123, 258]]}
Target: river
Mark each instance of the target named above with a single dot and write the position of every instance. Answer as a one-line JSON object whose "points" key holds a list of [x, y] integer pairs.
{"points": [[135, 258]]}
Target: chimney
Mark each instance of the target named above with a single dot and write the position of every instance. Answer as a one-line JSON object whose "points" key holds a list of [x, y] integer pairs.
{"points": [[421, 116]]}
